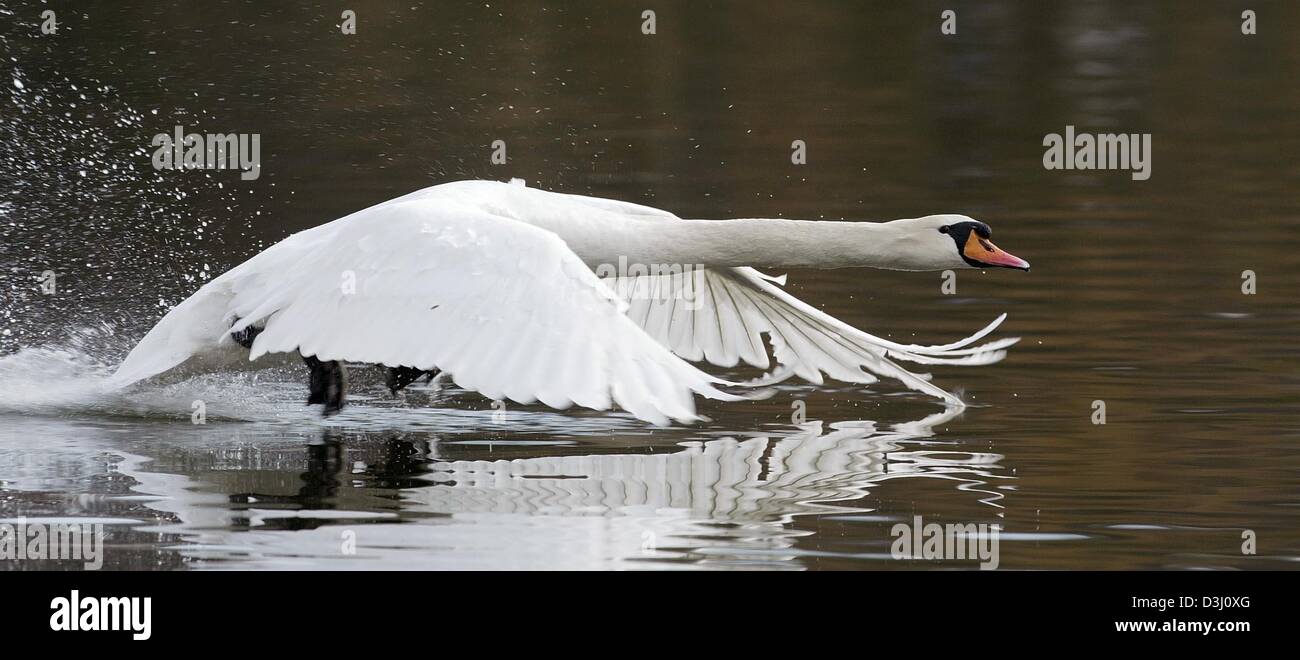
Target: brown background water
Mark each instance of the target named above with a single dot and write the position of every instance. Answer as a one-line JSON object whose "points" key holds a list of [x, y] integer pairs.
{"points": [[1134, 298]]}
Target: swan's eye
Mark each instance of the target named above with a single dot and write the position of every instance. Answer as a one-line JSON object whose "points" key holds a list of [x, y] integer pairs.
{"points": [[943, 229]]}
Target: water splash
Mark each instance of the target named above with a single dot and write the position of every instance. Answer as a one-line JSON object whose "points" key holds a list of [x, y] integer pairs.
{"points": [[79, 199]]}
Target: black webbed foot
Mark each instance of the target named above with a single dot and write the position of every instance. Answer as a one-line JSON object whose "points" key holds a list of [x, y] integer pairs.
{"points": [[399, 377], [327, 384], [246, 336]]}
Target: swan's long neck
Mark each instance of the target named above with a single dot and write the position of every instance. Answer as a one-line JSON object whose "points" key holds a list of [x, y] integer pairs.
{"points": [[751, 242]]}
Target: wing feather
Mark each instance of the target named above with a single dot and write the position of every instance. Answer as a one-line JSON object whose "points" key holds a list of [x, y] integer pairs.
{"points": [[728, 311]]}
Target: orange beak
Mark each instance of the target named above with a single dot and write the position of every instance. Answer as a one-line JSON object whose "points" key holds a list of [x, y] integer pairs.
{"points": [[983, 251]]}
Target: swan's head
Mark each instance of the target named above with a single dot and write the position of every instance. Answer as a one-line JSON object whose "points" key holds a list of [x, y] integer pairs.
{"points": [[948, 241]]}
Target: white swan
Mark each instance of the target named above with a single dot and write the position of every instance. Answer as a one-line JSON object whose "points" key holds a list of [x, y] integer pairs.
{"points": [[494, 283]]}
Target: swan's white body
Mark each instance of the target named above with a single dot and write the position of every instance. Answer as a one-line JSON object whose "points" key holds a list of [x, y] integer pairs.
{"points": [[494, 283]]}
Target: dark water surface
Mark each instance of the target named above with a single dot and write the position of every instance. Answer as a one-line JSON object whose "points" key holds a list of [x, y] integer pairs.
{"points": [[1135, 296]]}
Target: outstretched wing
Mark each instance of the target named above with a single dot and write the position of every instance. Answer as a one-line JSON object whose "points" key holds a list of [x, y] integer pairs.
{"points": [[720, 315], [505, 307]]}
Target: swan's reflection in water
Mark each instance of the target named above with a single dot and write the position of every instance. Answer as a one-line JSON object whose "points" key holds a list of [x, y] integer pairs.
{"points": [[406, 502], [763, 479], [411, 500]]}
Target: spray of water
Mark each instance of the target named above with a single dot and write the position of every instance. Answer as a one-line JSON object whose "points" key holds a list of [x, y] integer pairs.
{"points": [[95, 245]]}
